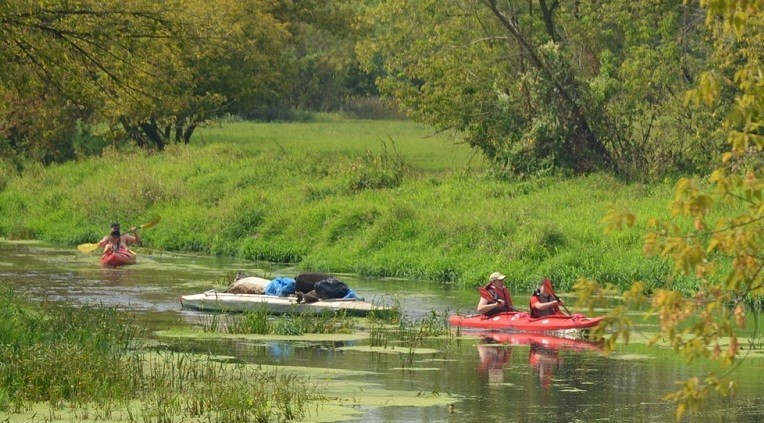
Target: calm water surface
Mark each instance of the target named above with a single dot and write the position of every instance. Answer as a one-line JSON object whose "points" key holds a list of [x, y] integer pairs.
{"points": [[492, 377]]}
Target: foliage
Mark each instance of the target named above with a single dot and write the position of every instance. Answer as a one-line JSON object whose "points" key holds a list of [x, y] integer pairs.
{"points": [[61, 64], [152, 73], [537, 85], [716, 230]]}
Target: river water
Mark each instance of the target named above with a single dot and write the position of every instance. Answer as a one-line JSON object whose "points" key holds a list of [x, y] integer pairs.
{"points": [[486, 376]]}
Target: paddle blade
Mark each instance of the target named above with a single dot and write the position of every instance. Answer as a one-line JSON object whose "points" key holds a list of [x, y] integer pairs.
{"points": [[151, 223], [550, 290], [87, 248], [548, 286], [485, 294]]}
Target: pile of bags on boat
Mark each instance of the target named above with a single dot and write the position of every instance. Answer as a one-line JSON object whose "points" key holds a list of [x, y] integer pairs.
{"points": [[309, 287]]}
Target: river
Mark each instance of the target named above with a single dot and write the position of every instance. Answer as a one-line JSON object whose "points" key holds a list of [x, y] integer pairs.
{"points": [[485, 377]]}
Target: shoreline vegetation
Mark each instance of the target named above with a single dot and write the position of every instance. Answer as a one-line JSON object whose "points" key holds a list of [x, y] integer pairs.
{"points": [[92, 362], [373, 198]]}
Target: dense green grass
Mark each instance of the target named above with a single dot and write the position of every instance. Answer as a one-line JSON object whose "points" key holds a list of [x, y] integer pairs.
{"points": [[424, 149], [336, 196]]}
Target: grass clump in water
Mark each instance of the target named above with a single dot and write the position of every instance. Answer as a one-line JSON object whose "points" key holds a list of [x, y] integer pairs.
{"points": [[260, 322]]}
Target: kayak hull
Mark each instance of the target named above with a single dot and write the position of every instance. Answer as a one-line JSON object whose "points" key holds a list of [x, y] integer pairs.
{"points": [[519, 321], [227, 302], [119, 258]]}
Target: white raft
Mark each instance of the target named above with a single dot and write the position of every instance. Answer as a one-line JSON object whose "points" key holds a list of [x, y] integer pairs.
{"points": [[222, 301]]}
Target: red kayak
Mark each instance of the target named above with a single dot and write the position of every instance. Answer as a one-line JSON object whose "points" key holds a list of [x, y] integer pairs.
{"points": [[521, 321], [118, 258]]}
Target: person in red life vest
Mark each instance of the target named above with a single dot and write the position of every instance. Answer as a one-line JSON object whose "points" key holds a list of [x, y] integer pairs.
{"points": [[117, 241], [494, 297], [544, 302]]}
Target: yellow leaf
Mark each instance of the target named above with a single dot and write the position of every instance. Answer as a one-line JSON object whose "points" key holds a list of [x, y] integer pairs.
{"points": [[680, 409], [740, 315]]}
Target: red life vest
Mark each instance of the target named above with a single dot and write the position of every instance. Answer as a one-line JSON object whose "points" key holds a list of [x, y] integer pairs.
{"points": [[536, 298], [499, 294]]}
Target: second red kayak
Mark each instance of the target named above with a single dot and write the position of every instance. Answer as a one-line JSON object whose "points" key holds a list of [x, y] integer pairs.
{"points": [[522, 321], [119, 258]]}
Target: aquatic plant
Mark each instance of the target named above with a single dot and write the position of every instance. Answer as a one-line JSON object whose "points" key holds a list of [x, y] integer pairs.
{"points": [[94, 360]]}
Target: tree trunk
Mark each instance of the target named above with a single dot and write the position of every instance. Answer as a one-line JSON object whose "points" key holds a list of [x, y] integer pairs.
{"points": [[188, 132], [547, 14], [153, 134]]}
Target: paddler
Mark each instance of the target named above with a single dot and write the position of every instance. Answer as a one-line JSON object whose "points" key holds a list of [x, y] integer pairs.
{"points": [[544, 302], [494, 297], [117, 241]]}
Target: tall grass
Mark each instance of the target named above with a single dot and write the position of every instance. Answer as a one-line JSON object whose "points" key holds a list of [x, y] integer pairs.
{"points": [[94, 360], [64, 354], [196, 387], [374, 198]]}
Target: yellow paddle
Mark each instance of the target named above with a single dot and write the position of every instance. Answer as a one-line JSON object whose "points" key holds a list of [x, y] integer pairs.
{"points": [[89, 248]]}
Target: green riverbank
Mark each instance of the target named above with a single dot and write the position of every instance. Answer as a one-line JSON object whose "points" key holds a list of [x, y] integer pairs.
{"points": [[375, 198]]}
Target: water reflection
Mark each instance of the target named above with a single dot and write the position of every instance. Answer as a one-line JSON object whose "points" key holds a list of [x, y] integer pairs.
{"points": [[285, 351], [544, 361], [495, 351], [493, 358]]}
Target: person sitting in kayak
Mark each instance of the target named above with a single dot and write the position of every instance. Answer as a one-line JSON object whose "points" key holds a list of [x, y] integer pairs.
{"points": [[117, 241], [494, 297], [543, 302]]}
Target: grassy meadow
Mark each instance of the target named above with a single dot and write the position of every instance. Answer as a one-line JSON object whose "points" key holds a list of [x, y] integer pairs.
{"points": [[374, 198]]}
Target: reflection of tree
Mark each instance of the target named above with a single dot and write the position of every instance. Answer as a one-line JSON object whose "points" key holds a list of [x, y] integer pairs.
{"points": [[544, 361], [493, 357]]}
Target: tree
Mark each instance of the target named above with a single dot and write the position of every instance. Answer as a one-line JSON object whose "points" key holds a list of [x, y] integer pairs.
{"points": [[66, 60], [572, 85], [718, 229], [152, 72], [226, 57]]}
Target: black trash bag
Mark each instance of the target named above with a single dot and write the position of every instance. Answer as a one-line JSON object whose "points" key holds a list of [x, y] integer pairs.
{"points": [[331, 288], [306, 281]]}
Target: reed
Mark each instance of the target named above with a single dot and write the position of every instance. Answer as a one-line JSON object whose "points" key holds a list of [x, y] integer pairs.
{"points": [[201, 388], [96, 361], [410, 333], [258, 321]]}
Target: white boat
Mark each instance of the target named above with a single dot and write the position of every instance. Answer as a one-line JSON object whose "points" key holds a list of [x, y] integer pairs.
{"points": [[222, 301]]}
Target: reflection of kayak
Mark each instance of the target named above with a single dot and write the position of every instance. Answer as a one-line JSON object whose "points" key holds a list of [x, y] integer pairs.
{"points": [[119, 258], [521, 321], [542, 340], [224, 301]]}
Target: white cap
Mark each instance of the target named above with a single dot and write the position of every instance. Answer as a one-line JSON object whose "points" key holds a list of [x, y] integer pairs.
{"points": [[496, 276]]}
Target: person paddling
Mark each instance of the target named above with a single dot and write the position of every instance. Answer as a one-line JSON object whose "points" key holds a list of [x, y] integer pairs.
{"points": [[117, 241], [494, 297], [544, 302]]}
